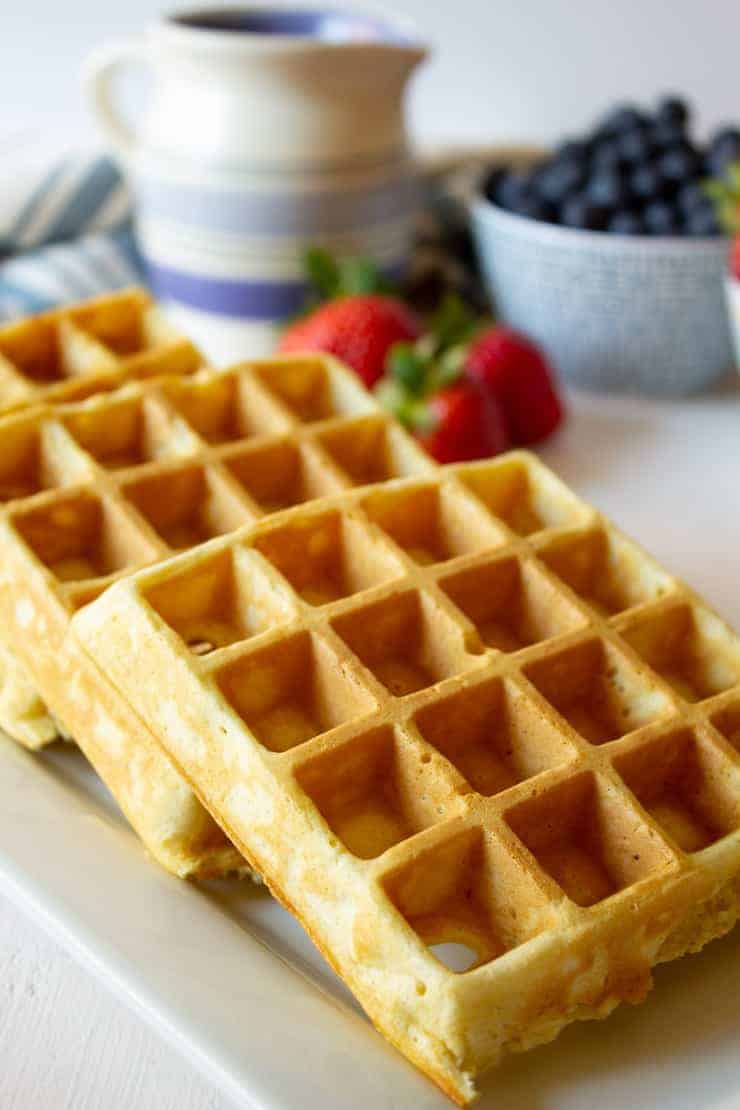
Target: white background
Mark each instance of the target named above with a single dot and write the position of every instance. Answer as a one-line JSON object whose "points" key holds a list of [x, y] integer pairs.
{"points": [[503, 69]]}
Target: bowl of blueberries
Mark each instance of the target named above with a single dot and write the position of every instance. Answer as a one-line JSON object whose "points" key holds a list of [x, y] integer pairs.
{"points": [[609, 253]]}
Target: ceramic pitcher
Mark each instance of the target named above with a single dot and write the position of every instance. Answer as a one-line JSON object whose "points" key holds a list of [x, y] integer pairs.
{"points": [[267, 130]]}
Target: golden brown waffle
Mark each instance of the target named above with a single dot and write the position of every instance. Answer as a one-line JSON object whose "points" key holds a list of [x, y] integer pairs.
{"points": [[76, 351], [459, 709], [23, 714], [68, 353], [123, 479]]}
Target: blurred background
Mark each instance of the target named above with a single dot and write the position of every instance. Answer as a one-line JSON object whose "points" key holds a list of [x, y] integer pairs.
{"points": [[533, 69]]}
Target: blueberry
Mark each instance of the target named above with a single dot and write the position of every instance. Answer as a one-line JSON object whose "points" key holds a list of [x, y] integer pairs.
{"points": [[606, 156], [579, 212], [513, 188], [724, 149], [702, 220], [623, 118], [725, 136], [559, 179], [534, 208], [660, 218], [691, 196], [668, 134], [636, 145], [626, 223], [679, 164], [646, 182], [673, 110], [608, 189], [575, 150], [720, 164]]}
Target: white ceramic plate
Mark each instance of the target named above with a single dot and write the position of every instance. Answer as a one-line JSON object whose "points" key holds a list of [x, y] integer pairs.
{"points": [[227, 975]]}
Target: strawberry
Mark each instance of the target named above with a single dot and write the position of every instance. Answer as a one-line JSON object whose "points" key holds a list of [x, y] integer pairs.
{"points": [[452, 417], [360, 330], [459, 423], [510, 368]]}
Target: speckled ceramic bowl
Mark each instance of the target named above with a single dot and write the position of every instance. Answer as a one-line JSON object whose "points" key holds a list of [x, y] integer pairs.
{"points": [[615, 313]]}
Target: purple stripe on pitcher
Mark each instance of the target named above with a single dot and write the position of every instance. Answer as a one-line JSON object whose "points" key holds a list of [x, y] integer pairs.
{"points": [[247, 300], [274, 214], [239, 298]]}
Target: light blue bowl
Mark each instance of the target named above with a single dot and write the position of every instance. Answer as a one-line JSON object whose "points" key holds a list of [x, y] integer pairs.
{"points": [[615, 313]]}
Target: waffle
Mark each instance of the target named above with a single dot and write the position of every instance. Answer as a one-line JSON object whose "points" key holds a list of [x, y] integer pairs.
{"points": [[127, 478], [23, 714], [69, 353], [76, 351], [472, 719]]}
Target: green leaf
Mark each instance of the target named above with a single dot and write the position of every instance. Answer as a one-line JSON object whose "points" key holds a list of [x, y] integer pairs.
{"points": [[395, 399], [448, 368], [385, 286], [353, 276], [422, 418], [725, 195], [453, 323], [425, 346], [358, 276], [407, 367], [323, 272], [714, 189]]}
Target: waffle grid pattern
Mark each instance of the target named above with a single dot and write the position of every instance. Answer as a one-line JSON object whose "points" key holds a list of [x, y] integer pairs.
{"points": [[510, 717], [133, 477], [73, 352], [622, 708], [62, 355], [91, 490]]}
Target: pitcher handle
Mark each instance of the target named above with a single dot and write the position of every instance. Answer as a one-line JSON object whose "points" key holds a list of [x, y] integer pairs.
{"points": [[101, 69]]}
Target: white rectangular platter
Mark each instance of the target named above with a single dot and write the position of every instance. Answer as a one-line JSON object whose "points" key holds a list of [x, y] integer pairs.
{"points": [[228, 977]]}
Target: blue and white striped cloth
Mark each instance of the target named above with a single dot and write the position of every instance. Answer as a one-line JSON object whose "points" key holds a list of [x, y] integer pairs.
{"points": [[65, 235]]}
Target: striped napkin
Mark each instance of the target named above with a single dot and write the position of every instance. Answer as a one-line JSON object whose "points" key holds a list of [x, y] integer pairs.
{"points": [[65, 235]]}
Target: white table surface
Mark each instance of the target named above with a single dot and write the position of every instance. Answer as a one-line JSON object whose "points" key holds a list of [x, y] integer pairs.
{"points": [[67, 1044], [670, 474]]}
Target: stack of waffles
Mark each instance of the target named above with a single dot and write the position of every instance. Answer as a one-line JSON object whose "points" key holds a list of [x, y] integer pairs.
{"points": [[430, 706], [61, 356], [97, 487]]}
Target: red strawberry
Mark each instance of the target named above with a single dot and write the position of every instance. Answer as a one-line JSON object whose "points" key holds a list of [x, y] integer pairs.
{"points": [[358, 329], [514, 371], [735, 258], [460, 423]]}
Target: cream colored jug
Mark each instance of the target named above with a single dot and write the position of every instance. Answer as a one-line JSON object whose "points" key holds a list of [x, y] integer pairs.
{"points": [[267, 130]]}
